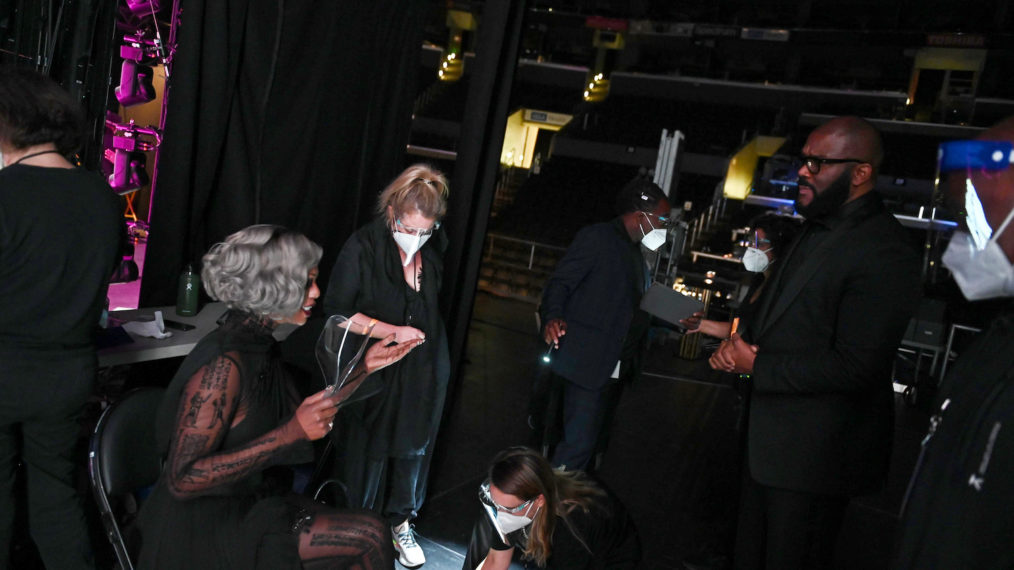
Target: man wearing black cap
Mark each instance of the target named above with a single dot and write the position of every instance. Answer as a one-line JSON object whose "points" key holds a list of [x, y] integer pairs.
{"points": [[591, 315]]}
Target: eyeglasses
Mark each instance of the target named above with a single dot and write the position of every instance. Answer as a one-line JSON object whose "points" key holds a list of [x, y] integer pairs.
{"points": [[417, 231], [759, 241], [487, 499], [814, 163]]}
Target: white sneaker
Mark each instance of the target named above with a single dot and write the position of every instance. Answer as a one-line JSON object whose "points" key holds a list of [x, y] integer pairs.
{"points": [[410, 554]]}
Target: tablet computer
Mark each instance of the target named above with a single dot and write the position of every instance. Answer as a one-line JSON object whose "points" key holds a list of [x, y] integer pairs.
{"points": [[668, 304]]}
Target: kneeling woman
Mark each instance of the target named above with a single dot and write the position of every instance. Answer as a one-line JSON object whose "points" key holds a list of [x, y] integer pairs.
{"points": [[559, 519], [231, 412]]}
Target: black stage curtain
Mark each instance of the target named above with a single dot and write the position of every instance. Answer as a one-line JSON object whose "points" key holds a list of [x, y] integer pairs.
{"points": [[478, 164], [286, 112]]}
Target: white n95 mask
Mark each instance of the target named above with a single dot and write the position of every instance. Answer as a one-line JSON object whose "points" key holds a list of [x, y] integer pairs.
{"points": [[507, 523], [755, 260], [410, 244], [653, 239], [981, 273]]}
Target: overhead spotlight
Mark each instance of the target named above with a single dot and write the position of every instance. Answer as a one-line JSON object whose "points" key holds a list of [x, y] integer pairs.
{"points": [[129, 170], [143, 7], [124, 161], [136, 85], [135, 78], [608, 40], [452, 57]]}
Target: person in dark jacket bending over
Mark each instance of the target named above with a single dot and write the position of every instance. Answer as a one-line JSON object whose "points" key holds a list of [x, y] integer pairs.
{"points": [[959, 512], [591, 315], [819, 352]]}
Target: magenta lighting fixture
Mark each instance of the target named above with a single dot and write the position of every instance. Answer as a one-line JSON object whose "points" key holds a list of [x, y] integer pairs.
{"points": [[143, 7], [124, 161], [135, 84], [135, 79]]}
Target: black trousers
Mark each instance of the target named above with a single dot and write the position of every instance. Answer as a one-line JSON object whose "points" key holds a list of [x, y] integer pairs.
{"points": [[586, 417], [786, 530], [395, 487], [41, 401]]}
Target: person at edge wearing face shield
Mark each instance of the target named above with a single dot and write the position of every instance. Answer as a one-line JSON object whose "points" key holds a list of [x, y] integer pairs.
{"points": [[391, 270], [819, 352], [959, 509], [772, 234], [591, 316], [556, 518]]}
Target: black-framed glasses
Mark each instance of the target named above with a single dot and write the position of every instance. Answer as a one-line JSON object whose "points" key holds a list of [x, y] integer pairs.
{"points": [[487, 499], [814, 163]]}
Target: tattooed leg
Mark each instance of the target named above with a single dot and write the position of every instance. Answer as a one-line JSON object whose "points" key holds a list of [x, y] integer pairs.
{"points": [[351, 539]]}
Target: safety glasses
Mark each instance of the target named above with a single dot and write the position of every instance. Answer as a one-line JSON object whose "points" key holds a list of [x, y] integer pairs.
{"points": [[416, 231], [487, 499]]}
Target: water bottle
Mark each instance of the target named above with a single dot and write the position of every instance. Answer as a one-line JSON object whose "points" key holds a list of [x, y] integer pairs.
{"points": [[104, 317], [186, 297]]}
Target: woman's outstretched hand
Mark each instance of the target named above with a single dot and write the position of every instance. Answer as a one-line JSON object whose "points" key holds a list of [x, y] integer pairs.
{"points": [[407, 333], [386, 352]]}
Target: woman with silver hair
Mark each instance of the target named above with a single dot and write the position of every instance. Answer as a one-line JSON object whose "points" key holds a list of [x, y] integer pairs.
{"points": [[556, 518], [390, 270], [231, 412]]}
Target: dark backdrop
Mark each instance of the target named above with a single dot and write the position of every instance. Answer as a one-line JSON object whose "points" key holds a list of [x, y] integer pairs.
{"points": [[284, 112]]}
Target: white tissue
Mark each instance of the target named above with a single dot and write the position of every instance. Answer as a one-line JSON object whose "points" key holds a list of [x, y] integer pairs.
{"points": [[154, 329]]}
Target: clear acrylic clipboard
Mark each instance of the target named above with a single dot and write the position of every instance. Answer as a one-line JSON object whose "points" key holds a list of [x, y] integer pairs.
{"points": [[340, 347]]}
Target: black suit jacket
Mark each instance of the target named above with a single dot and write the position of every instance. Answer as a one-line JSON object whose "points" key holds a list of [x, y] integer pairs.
{"points": [[821, 410], [596, 287]]}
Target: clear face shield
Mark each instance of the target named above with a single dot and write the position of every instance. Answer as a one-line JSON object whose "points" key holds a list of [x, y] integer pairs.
{"points": [[960, 165], [973, 256], [339, 348]]}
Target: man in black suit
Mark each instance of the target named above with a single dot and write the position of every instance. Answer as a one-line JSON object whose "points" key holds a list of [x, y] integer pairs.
{"points": [[591, 315], [819, 355]]}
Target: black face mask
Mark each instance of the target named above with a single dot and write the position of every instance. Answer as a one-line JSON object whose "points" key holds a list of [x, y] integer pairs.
{"points": [[829, 200]]}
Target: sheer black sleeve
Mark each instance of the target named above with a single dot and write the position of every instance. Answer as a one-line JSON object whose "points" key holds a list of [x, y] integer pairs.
{"points": [[208, 406]]}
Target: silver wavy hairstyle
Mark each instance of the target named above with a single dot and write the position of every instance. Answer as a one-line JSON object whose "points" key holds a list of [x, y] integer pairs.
{"points": [[262, 269]]}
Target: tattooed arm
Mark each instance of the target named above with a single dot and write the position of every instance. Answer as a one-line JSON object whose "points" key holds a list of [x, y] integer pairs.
{"points": [[209, 405]]}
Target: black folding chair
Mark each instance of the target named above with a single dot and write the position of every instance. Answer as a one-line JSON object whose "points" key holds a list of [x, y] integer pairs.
{"points": [[123, 458]]}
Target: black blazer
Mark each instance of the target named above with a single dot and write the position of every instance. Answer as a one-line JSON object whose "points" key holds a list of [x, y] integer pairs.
{"points": [[596, 287], [821, 409]]}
